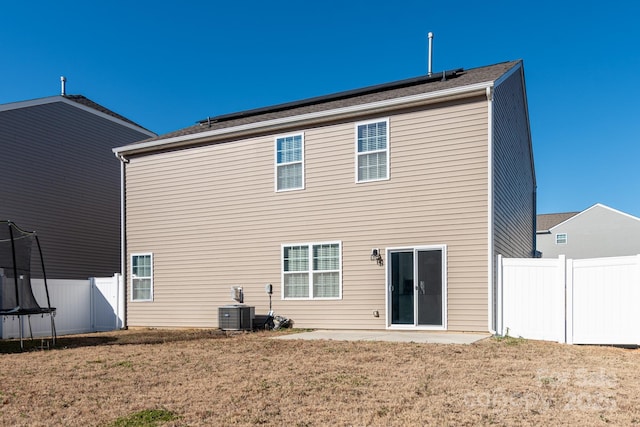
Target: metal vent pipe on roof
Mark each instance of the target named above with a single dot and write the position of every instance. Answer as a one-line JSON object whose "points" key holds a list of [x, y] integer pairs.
{"points": [[430, 35], [63, 89]]}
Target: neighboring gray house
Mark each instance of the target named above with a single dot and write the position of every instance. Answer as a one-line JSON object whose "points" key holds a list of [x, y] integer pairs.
{"points": [[381, 207], [60, 178], [598, 231]]}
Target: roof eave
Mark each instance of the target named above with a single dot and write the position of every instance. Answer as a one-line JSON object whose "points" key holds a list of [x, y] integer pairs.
{"points": [[306, 119]]}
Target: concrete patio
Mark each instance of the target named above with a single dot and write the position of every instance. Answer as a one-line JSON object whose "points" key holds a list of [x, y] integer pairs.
{"points": [[426, 337]]}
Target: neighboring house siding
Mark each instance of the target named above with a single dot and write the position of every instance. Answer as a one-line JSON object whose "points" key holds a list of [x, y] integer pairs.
{"points": [[212, 219], [594, 233], [514, 208], [61, 179]]}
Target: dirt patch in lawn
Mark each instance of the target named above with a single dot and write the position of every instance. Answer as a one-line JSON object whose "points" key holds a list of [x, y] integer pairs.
{"points": [[199, 377]]}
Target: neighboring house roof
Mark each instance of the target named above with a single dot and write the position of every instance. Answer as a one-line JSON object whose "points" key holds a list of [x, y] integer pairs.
{"points": [[417, 89], [81, 102], [544, 222]]}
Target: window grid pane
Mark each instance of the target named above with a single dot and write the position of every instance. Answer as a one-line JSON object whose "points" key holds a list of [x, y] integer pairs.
{"points": [[296, 258], [326, 285], [372, 166], [141, 289], [289, 149], [296, 285], [141, 265], [372, 137], [326, 257], [290, 176]]}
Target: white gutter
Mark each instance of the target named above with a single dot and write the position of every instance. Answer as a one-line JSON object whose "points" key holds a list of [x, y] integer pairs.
{"points": [[405, 101], [123, 245]]}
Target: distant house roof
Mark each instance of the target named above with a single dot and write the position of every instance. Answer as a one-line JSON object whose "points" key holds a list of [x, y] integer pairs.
{"points": [[445, 83], [79, 101], [544, 222]]}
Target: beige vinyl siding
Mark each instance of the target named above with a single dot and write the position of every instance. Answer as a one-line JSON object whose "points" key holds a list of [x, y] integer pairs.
{"points": [[212, 219]]}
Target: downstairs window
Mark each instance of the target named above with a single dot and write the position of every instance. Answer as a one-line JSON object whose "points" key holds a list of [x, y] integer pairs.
{"points": [[312, 271]]}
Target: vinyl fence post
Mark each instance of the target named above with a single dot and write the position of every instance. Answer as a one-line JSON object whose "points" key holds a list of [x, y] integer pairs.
{"points": [[568, 306], [499, 285], [92, 304]]}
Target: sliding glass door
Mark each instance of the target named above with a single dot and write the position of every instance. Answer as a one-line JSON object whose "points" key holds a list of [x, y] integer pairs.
{"points": [[417, 287]]}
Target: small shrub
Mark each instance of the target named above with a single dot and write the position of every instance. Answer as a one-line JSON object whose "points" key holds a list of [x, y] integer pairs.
{"points": [[509, 340]]}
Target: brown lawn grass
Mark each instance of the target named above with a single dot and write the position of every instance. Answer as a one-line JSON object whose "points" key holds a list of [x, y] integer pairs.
{"points": [[214, 378]]}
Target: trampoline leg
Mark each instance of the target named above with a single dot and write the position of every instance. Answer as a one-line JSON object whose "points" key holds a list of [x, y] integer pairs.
{"points": [[30, 330], [53, 330], [21, 333]]}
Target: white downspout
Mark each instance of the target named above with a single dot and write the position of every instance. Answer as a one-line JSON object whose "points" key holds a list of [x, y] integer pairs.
{"points": [[491, 266], [121, 311]]}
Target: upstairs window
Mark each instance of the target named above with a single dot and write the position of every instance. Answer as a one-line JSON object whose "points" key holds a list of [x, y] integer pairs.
{"points": [[311, 271], [372, 148], [289, 162], [561, 239], [142, 277]]}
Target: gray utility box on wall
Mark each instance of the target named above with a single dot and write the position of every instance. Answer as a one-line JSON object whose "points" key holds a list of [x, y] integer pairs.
{"points": [[236, 317]]}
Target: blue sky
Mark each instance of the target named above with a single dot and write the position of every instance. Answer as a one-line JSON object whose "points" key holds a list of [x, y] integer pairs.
{"points": [[168, 64]]}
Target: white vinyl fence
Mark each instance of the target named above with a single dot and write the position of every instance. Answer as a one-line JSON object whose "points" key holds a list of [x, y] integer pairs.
{"points": [[92, 305], [583, 301]]}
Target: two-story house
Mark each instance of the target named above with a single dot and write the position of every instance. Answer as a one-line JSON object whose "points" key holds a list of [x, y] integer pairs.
{"points": [[60, 178], [381, 207]]}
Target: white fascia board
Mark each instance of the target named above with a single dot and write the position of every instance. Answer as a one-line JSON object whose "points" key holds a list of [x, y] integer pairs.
{"points": [[615, 210], [302, 118], [59, 98], [29, 103]]}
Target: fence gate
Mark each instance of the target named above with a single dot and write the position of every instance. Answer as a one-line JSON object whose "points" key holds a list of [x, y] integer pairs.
{"points": [[586, 301], [105, 303], [603, 300]]}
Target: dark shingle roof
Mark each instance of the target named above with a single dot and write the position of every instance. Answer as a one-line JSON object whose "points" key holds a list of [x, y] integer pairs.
{"points": [[544, 222], [413, 86], [82, 100]]}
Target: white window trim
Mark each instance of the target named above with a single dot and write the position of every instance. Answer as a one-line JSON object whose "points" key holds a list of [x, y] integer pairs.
{"points": [[149, 254], [310, 271], [357, 154], [566, 238], [276, 164]]}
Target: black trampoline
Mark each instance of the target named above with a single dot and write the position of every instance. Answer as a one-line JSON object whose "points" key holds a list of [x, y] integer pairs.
{"points": [[16, 294]]}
